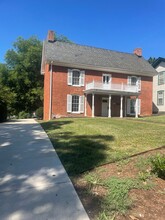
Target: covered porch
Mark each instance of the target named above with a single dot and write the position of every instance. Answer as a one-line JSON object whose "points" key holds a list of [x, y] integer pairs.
{"points": [[110, 100]]}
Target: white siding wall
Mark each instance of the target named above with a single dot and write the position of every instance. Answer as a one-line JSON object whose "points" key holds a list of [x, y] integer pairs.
{"points": [[156, 87]]}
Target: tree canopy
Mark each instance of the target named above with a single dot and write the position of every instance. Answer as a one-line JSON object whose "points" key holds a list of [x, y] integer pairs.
{"points": [[62, 38], [21, 84], [21, 75], [151, 60]]}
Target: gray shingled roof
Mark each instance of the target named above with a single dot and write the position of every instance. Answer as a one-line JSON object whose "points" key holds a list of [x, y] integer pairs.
{"points": [[95, 57]]}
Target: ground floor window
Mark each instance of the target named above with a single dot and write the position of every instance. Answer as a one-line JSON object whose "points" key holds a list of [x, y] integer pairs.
{"points": [[131, 106], [160, 100], [75, 103]]}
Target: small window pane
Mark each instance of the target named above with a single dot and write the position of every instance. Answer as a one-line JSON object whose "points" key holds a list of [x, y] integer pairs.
{"points": [[103, 79], [75, 103]]}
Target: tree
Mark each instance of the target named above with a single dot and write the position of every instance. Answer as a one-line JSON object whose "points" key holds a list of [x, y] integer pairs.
{"points": [[151, 60], [21, 83], [7, 97], [62, 38], [24, 78]]}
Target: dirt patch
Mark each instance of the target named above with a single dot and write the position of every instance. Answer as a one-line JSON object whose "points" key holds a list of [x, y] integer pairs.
{"points": [[147, 204]]}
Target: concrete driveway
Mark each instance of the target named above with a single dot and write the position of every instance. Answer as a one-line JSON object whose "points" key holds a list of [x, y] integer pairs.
{"points": [[33, 183]]}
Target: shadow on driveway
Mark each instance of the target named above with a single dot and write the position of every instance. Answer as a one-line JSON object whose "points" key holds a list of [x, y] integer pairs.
{"points": [[33, 182]]}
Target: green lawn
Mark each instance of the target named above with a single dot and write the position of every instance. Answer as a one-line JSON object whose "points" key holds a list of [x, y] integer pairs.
{"points": [[157, 119], [83, 143]]}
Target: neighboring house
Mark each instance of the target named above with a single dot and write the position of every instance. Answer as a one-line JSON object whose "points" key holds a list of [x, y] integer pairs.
{"points": [[88, 81], [159, 86]]}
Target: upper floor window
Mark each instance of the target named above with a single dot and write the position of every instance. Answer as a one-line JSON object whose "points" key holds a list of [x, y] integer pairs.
{"points": [[106, 78], [160, 100], [135, 81], [161, 78], [76, 77]]}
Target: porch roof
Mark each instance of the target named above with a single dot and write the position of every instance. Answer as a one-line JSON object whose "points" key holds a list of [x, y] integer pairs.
{"points": [[110, 92]]}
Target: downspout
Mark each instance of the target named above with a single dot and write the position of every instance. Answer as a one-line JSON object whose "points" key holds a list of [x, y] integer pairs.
{"points": [[50, 98]]}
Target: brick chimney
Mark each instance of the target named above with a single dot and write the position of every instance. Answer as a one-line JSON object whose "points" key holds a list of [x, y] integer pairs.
{"points": [[51, 36], [138, 52]]}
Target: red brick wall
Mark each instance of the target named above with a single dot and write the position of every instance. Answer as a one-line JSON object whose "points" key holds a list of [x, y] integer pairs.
{"points": [[60, 90], [146, 95]]}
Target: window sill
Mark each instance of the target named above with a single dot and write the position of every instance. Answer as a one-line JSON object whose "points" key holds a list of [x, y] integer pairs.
{"points": [[76, 112], [76, 85]]}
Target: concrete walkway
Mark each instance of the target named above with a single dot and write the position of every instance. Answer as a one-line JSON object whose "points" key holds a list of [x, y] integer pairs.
{"points": [[33, 183]]}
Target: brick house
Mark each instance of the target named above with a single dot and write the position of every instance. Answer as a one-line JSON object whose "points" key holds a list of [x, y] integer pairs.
{"points": [[159, 86], [88, 81]]}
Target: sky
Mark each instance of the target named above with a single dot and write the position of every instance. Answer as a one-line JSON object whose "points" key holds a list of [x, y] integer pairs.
{"points": [[120, 25]]}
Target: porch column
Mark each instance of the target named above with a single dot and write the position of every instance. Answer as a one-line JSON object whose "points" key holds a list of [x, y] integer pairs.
{"points": [[85, 113], [136, 107], [93, 105], [125, 107], [121, 106], [109, 110]]}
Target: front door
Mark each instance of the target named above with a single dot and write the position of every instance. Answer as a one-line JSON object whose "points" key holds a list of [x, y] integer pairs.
{"points": [[105, 105]]}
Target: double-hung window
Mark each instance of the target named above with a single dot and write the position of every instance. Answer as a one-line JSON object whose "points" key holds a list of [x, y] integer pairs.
{"points": [[75, 103], [161, 78], [135, 81], [76, 77], [160, 95]]}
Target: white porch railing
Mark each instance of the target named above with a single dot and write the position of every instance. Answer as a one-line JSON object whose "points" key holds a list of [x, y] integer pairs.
{"points": [[112, 87]]}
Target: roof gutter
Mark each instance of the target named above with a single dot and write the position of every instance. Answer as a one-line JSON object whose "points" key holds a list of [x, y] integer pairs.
{"points": [[50, 92]]}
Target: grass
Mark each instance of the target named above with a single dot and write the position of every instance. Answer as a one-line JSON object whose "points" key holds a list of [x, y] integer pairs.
{"points": [[157, 119], [84, 143]]}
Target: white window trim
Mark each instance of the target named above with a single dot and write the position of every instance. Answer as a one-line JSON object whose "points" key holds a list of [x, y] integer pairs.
{"points": [[81, 80], [163, 75], [138, 81], [158, 92], [69, 104]]}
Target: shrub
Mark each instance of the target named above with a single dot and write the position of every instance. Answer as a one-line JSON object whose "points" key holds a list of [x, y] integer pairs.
{"points": [[3, 111], [39, 112], [23, 114], [158, 165]]}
